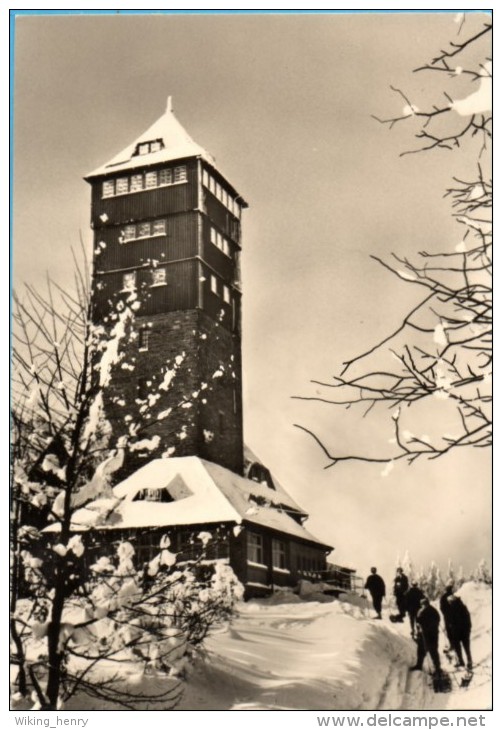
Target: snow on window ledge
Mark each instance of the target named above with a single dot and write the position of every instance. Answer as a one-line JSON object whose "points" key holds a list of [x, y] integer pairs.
{"points": [[161, 283], [142, 238], [280, 570], [256, 565]]}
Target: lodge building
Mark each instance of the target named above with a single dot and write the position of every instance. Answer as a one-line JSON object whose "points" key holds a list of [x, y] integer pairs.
{"points": [[167, 237]]}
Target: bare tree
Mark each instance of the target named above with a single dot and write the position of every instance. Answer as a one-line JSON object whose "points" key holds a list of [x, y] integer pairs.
{"points": [[442, 348], [82, 611]]}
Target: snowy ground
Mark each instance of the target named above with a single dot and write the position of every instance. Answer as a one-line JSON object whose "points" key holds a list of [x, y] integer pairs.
{"points": [[292, 654]]}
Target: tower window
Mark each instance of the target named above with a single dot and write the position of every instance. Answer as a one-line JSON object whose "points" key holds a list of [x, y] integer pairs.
{"points": [[136, 183], [221, 421], [144, 338], [151, 179], [144, 229], [165, 176], [144, 148], [129, 233], [159, 276], [108, 188], [220, 241], [180, 174], [129, 281], [214, 284], [143, 388], [158, 228], [121, 185], [226, 294]]}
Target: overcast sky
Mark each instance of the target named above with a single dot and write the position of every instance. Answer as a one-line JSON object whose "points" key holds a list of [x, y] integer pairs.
{"points": [[284, 103]]}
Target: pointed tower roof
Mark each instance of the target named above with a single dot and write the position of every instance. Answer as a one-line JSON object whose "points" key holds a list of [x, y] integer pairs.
{"points": [[175, 143]]}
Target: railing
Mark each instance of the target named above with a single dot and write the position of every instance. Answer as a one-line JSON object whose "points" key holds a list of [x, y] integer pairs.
{"points": [[336, 576]]}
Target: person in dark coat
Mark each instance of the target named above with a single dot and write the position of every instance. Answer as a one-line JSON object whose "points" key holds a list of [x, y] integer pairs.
{"points": [[413, 596], [428, 620], [460, 628], [400, 588], [376, 586], [445, 610]]}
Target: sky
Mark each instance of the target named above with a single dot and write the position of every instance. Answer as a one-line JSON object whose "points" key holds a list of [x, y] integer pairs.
{"points": [[285, 105]]}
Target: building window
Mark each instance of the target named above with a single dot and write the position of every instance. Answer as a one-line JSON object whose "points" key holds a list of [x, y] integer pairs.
{"points": [[165, 176], [136, 183], [221, 422], [144, 148], [214, 284], [144, 230], [220, 242], [151, 179], [159, 228], [205, 178], [121, 185], [255, 547], [159, 276], [108, 188], [226, 294], [129, 233], [144, 338], [129, 281], [180, 174], [279, 554]]}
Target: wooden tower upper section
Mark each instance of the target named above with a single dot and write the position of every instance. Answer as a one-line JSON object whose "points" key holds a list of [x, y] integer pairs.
{"points": [[167, 225]]}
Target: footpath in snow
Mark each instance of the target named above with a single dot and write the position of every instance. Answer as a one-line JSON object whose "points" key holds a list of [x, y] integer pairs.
{"points": [[291, 654]]}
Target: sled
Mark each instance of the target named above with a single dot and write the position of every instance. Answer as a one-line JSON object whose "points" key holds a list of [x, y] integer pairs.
{"points": [[441, 682], [465, 679]]}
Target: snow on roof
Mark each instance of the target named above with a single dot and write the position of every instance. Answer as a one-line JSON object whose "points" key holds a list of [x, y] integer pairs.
{"points": [[176, 145], [249, 458], [202, 493], [176, 142], [233, 484]]}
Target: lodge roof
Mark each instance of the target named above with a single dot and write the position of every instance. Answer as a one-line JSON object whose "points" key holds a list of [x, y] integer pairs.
{"points": [[202, 492]]}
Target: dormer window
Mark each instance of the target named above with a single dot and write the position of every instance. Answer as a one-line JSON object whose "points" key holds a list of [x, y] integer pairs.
{"points": [[145, 148]]}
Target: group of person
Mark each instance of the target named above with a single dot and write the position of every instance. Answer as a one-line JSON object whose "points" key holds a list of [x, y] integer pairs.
{"points": [[424, 619]]}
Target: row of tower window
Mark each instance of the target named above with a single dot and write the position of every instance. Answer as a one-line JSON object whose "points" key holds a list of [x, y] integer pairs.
{"points": [[147, 229], [144, 181], [220, 242], [159, 278], [216, 189]]}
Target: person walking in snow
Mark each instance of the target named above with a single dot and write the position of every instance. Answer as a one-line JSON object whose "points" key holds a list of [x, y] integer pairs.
{"points": [[400, 587], [428, 620], [376, 586], [445, 610], [460, 628], [413, 596]]}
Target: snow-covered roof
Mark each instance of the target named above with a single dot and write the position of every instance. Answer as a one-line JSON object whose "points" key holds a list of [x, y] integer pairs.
{"points": [[202, 492], [251, 458], [176, 145]]}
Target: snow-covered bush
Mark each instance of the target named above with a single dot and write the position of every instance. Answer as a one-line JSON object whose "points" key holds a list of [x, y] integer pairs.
{"points": [[152, 619], [66, 619]]}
